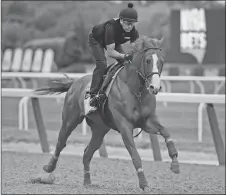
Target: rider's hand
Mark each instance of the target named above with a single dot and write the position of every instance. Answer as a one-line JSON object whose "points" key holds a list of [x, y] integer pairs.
{"points": [[128, 57]]}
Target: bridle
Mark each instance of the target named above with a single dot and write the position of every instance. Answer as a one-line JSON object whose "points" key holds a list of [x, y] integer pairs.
{"points": [[144, 77]]}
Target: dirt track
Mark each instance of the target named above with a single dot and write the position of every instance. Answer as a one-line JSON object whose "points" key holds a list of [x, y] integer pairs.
{"points": [[108, 176]]}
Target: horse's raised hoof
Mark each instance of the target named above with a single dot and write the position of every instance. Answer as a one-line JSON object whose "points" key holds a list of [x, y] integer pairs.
{"points": [[87, 180], [175, 168], [51, 166]]}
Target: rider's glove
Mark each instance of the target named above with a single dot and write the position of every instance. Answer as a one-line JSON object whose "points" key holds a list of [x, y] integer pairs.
{"points": [[128, 57]]}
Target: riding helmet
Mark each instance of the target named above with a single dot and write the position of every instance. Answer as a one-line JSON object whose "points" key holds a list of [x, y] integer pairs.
{"points": [[129, 14]]}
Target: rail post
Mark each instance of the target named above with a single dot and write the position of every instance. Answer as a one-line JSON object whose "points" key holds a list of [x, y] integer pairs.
{"points": [[155, 147], [217, 138], [103, 151], [40, 125]]}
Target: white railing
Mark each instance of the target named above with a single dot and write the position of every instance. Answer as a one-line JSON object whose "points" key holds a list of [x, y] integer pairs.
{"points": [[203, 99], [219, 83], [167, 87]]}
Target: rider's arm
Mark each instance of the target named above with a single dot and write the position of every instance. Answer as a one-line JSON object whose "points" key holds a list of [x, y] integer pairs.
{"points": [[113, 53], [120, 49], [110, 43]]}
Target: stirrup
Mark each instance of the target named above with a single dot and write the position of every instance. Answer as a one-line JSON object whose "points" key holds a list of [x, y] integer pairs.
{"points": [[97, 100], [93, 101], [101, 96]]}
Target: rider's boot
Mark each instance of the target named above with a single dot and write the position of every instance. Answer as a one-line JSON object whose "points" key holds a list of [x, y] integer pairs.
{"points": [[97, 79], [101, 96], [97, 99]]}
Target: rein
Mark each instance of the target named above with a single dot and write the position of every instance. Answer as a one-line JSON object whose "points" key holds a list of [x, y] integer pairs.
{"points": [[145, 78]]}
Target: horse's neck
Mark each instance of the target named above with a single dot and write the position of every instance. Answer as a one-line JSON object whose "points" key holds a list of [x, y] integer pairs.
{"points": [[131, 78]]}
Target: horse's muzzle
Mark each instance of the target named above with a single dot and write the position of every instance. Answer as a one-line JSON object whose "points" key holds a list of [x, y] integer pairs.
{"points": [[155, 85]]}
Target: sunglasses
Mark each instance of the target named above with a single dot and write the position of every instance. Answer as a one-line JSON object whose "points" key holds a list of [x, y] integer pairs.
{"points": [[128, 23]]}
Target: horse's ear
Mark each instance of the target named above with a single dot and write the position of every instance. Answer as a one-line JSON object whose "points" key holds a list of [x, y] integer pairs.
{"points": [[143, 45], [160, 42]]}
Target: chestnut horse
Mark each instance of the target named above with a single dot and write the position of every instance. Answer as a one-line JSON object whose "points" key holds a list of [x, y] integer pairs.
{"points": [[131, 104]]}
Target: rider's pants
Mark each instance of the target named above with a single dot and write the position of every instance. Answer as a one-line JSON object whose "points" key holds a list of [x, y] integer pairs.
{"points": [[101, 64]]}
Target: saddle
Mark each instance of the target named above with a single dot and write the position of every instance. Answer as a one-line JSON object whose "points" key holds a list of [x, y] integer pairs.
{"points": [[108, 80], [110, 72]]}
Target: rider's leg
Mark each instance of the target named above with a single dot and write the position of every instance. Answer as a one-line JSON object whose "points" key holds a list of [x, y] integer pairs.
{"points": [[98, 73], [109, 76]]}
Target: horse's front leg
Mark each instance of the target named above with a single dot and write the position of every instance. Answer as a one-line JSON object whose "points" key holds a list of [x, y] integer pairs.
{"points": [[125, 128], [153, 125]]}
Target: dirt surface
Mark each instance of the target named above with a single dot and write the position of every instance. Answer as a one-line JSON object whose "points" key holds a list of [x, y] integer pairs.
{"points": [[109, 176], [117, 152]]}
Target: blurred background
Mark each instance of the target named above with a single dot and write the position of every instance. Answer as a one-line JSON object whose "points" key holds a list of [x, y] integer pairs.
{"points": [[64, 26], [46, 37]]}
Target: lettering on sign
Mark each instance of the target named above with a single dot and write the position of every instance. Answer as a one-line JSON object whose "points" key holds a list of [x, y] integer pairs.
{"points": [[193, 33]]}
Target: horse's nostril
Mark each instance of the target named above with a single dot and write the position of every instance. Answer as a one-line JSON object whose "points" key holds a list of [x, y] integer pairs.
{"points": [[151, 87], [153, 90]]}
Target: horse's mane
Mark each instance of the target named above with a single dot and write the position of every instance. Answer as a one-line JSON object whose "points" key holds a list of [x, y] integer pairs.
{"points": [[141, 44], [145, 42]]}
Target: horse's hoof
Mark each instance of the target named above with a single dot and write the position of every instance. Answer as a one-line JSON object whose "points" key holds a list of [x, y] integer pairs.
{"points": [[144, 187], [142, 180], [146, 190], [49, 168], [87, 180], [175, 168]]}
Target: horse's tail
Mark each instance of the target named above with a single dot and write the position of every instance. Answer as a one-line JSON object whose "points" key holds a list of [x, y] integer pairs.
{"points": [[56, 86]]}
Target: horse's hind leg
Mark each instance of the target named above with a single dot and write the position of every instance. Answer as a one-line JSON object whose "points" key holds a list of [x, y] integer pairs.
{"points": [[70, 122], [94, 144], [153, 126]]}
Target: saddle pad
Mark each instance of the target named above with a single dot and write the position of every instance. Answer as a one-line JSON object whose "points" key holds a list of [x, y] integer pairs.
{"points": [[112, 81]]}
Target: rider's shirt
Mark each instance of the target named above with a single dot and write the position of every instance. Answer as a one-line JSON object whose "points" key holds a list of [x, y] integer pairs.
{"points": [[112, 32]]}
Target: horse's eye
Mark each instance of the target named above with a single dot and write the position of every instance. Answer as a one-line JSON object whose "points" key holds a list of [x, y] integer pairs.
{"points": [[148, 61]]}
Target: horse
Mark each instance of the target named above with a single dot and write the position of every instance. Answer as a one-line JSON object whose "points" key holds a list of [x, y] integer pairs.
{"points": [[130, 104]]}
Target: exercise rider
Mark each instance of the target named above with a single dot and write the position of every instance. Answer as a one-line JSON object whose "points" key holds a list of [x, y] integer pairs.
{"points": [[109, 36]]}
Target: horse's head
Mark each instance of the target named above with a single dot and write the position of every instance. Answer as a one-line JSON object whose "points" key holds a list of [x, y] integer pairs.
{"points": [[148, 59]]}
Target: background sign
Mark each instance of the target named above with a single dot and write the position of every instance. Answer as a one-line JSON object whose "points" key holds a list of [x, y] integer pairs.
{"points": [[197, 36]]}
